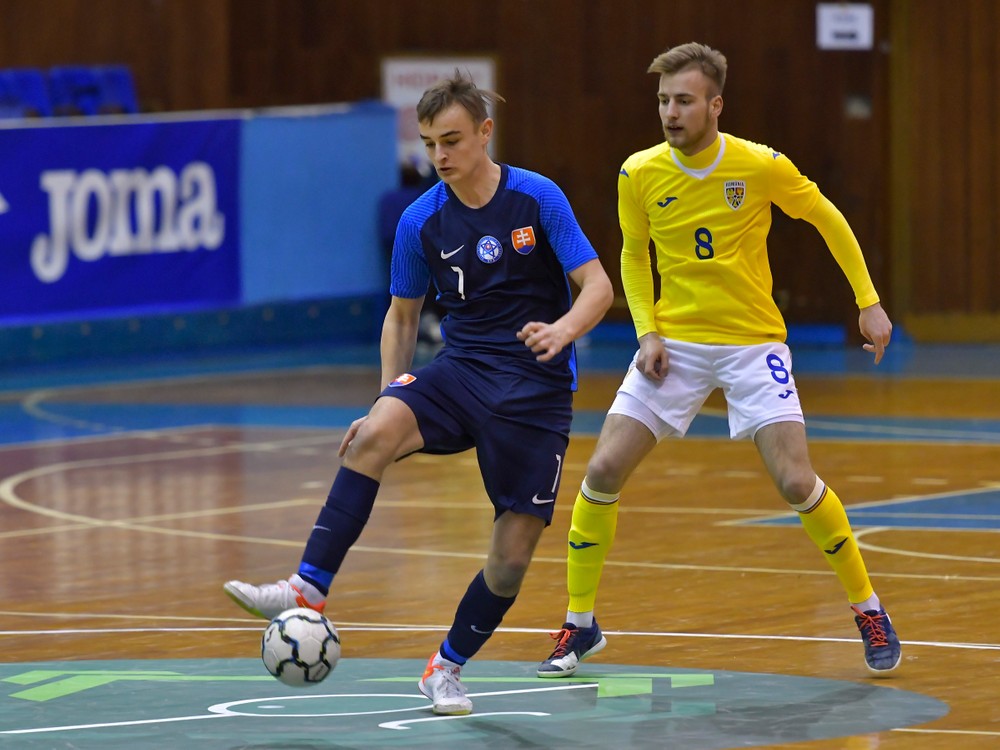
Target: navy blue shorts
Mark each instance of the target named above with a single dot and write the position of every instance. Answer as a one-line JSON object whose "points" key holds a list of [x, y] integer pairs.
{"points": [[519, 427]]}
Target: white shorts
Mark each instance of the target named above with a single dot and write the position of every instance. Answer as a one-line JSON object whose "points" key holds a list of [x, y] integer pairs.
{"points": [[756, 380]]}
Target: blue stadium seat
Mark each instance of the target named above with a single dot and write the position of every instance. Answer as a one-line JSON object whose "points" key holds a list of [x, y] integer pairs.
{"points": [[30, 88], [75, 90], [10, 105], [117, 89]]}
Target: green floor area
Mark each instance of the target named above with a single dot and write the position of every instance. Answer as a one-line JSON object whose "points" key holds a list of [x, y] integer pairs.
{"points": [[374, 703]]}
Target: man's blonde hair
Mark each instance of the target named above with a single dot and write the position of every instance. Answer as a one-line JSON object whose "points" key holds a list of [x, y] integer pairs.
{"points": [[710, 62]]}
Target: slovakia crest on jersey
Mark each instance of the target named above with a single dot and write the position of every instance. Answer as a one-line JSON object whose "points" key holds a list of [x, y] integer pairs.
{"points": [[523, 240], [489, 249], [736, 193], [404, 379]]}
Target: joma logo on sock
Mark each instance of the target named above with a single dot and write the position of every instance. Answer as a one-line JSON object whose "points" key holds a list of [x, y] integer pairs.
{"points": [[836, 547]]}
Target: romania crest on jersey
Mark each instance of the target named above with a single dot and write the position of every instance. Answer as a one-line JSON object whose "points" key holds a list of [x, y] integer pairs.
{"points": [[736, 192]]}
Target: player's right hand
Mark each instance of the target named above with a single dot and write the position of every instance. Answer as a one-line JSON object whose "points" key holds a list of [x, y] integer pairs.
{"points": [[653, 360], [544, 339], [351, 432]]}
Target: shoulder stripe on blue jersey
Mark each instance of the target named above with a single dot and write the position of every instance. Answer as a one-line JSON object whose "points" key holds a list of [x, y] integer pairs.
{"points": [[564, 234], [409, 275]]}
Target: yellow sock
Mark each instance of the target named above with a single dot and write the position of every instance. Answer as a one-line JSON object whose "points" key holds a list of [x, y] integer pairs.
{"points": [[590, 536], [826, 524]]}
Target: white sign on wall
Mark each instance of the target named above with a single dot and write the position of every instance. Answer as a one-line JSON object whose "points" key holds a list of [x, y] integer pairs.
{"points": [[404, 80], [845, 26]]}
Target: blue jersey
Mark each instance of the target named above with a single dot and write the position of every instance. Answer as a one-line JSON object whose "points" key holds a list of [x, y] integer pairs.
{"points": [[495, 268]]}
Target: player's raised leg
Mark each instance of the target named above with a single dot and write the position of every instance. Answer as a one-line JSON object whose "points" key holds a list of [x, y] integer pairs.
{"points": [[389, 431]]}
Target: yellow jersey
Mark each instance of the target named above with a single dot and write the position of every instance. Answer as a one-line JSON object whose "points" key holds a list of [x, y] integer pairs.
{"points": [[709, 216]]}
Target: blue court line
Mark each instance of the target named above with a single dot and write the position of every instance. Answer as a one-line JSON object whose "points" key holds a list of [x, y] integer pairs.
{"points": [[70, 420], [975, 510], [600, 353], [890, 429], [902, 359], [64, 420], [179, 365]]}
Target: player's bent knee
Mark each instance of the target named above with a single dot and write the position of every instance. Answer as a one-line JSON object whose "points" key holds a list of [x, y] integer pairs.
{"points": [[505, 571], [604, 474], [796, 488], [381, 441], [504, 577]]}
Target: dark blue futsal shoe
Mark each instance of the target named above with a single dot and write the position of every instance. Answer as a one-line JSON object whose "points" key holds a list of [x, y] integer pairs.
{"points": [[882, 649], [572, 647]]}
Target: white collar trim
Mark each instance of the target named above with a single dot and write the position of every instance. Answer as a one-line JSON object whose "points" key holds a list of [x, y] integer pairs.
{"points": [[701, 174]]}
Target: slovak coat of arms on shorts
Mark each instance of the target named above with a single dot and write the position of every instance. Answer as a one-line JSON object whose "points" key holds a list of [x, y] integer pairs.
{"points": [[736, 192], [404, 379]]}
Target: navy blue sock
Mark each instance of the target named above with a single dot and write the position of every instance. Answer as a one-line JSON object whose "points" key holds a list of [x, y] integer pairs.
{"points": [[338, 526], [479, 614]]}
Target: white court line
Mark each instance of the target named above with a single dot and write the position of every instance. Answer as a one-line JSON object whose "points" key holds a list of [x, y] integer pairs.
{"points": [[222, 710], [948, 731], [918, 434], [143, 433], [860, 531], [8, 495], [869, 547], [402, 628], [879, 504]]}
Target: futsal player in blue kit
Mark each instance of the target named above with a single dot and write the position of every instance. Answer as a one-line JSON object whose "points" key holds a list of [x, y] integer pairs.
{"points": [[498, 242]]}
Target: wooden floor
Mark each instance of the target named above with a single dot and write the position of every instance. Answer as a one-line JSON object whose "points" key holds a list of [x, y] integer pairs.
{"points": [[125, 504]]}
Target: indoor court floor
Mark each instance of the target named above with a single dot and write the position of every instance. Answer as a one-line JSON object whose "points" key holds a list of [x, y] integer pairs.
{"points": [[131, 490]]}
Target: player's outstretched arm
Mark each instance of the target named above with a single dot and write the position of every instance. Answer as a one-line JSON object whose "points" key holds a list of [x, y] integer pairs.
{"points": [[876, 327], [844, 247], [399, 336], [873, 322], [399, 341], [595, 297]]}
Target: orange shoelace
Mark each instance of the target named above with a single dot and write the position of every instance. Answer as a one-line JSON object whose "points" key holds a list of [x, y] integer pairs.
{"points": [[562, 637], [873, 623]]}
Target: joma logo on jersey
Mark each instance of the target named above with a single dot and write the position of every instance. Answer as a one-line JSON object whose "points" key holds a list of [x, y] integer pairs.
{"points": [[736, 193], [125, 212], [523, 239]]}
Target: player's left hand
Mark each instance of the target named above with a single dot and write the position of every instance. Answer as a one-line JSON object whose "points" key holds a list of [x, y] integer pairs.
{"points": [[544, 339], [875, 327]]}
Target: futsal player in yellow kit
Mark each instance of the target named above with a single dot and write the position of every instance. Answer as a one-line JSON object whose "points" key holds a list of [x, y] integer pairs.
{"points": [[704, 198]]}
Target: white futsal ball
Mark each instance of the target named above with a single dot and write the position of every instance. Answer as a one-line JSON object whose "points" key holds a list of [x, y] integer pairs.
{"points": [[300, 647]]}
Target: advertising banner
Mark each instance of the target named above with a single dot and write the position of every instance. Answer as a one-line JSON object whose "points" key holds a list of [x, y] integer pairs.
{"points": [[119, 218]]}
